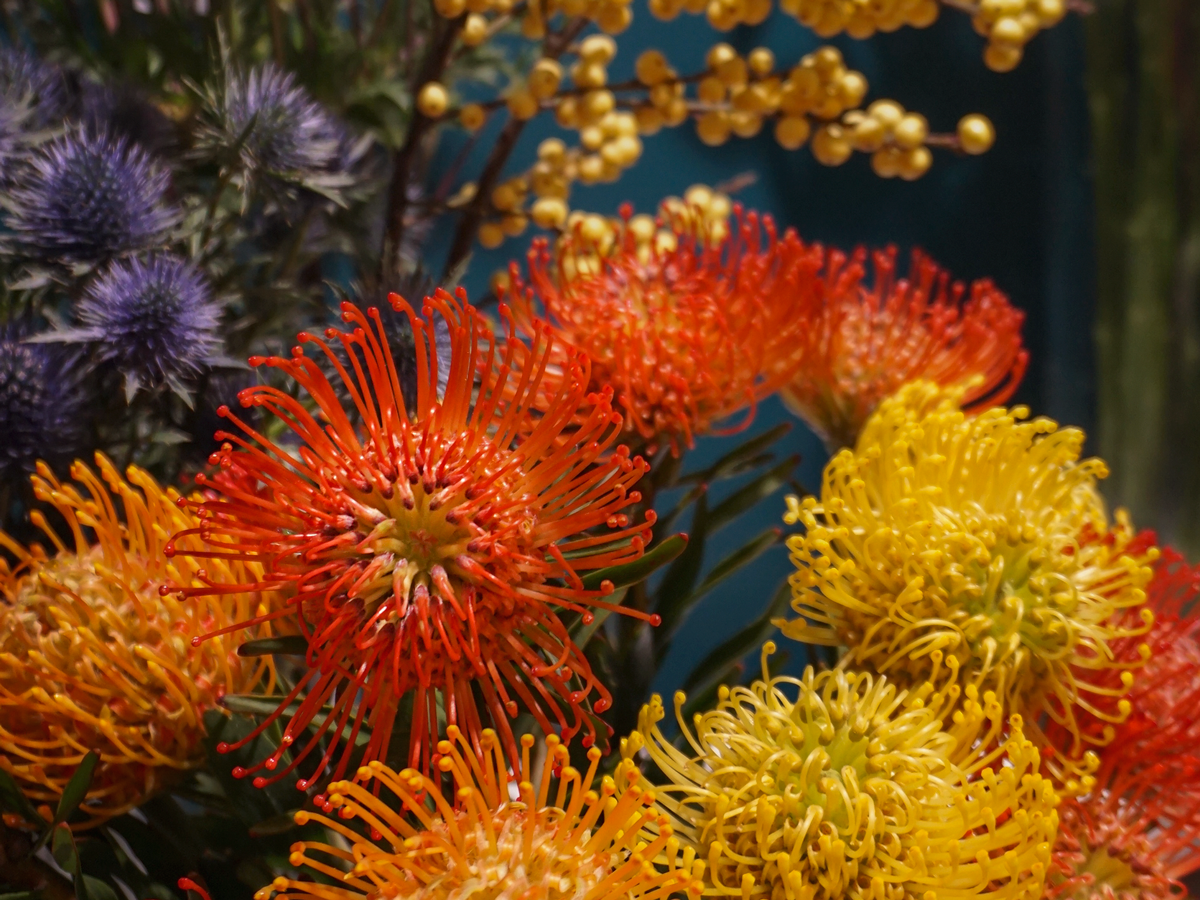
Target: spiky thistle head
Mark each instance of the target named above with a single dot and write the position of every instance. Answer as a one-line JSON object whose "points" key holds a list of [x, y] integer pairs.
{"points": [[94, 656], [864, 339], [494, 836], [840, 785], [42, 404], [428, 548], [152, 317], [41, 88], [688, 332], [975, 549], [268, 122], [87, 197]]}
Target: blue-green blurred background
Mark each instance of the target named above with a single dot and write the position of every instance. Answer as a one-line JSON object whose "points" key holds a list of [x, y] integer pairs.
{"points": [[1021, 214]]}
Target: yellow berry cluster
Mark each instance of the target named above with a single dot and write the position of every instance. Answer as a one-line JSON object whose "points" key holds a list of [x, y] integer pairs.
{"points": [[1009, 25], [724, 15], [859, 18]]}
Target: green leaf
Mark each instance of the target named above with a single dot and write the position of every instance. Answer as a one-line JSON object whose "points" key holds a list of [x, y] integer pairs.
{"points": [[581, 632], [743, 556], [748, 495], [22, 895], [633, 572], [287, 645], [706, 673], [97, 889], [671, 600], [62, 848], [77, 787], [14, 801], [255, 704], [737, 459]]}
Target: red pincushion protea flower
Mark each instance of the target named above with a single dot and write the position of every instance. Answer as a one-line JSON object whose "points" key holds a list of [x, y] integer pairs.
{"points": [[1139, 828], [427, 548], [862, 342], [687, 331]]}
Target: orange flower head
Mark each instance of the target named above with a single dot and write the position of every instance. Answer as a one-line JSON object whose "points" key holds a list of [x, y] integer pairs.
{"points": [[863, 341], [687, 330], [426, 549], [94, 657], [496, 837]]}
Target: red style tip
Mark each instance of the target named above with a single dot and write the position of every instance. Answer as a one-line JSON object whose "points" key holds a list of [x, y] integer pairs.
{"points": [[655, 620], [602, 705], [196, 641], [259, 782]]}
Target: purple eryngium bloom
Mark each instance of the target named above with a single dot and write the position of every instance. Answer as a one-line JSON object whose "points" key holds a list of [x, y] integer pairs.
{"points": [[153, 318], [27, 81], [42, 402], [87, 197], [282, 130]]}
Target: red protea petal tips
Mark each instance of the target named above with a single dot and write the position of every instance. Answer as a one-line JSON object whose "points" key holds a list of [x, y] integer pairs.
{"points": [[688, 329], [862, 341], [426, 549]]}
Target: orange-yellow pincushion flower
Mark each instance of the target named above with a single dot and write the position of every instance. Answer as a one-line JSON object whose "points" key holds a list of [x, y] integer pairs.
{"points": [[496, 837], [426, 548], [840, 785], [862, 341], [948, 546], [687, 332], [94, 657]]}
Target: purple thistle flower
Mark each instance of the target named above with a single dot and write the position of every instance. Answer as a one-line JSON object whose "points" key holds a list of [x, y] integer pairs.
{"points": [[153, 318], [87, 197], [26, 81], [42, 404], [275, 124]]}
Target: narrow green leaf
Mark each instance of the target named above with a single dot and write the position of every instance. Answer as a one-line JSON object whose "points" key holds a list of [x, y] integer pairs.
{"points": [[14, 801], [62, 848], [287, 645], [633, 572], [733, 649], [582, 632], [77, 787], [672, 595], [97, 889], [255, 704], [743, 556], [22, 895], [748, 495], [735, 460], [81, 884]]}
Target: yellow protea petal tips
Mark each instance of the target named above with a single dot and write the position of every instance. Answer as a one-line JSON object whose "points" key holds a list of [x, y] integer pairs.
{"points": [[977, 549], [94, 657], [497, 837], [853, 790]]}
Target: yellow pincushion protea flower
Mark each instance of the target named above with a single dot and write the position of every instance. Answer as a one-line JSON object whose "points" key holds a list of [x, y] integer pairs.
{"points": [[972, 549], [495, 838], [94, 657], [853, 790]]}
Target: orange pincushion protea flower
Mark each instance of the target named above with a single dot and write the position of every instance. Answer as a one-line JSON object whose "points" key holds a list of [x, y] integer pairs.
{"points": [[94, 657], [426, 549], [688, 332], [862, 342], [496, 837]]}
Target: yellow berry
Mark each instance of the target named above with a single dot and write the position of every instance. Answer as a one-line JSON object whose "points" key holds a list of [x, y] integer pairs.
{"points": [[474, 31], [827, 61], [591, 168], [675, 112], [642, 228], [514, 226], [566, 114], [976, 134], [533, 26], [792, 132], [713, 128], [1051, 12], [506, 196], [761, 61], [593, 228], [887, 162], [915, 163], [868, 134], [598, 48], [450, 9], [853, 88], [651, 68], [1001, 57], [888, 112], [614, 19], [522, 104], [666, 10], [745, 124], [924, 14], [710, 90], [910, 132], [664, 93], [597, 103], [649, 120], [552, 150], [733, 71], [1009, 30], [549, 212], [589, 75], [757, 12], [700, 195], [491, 235], [432, 100], [591, 137], [719, 54], [544, 78], [472, 117], [830, 145]]}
